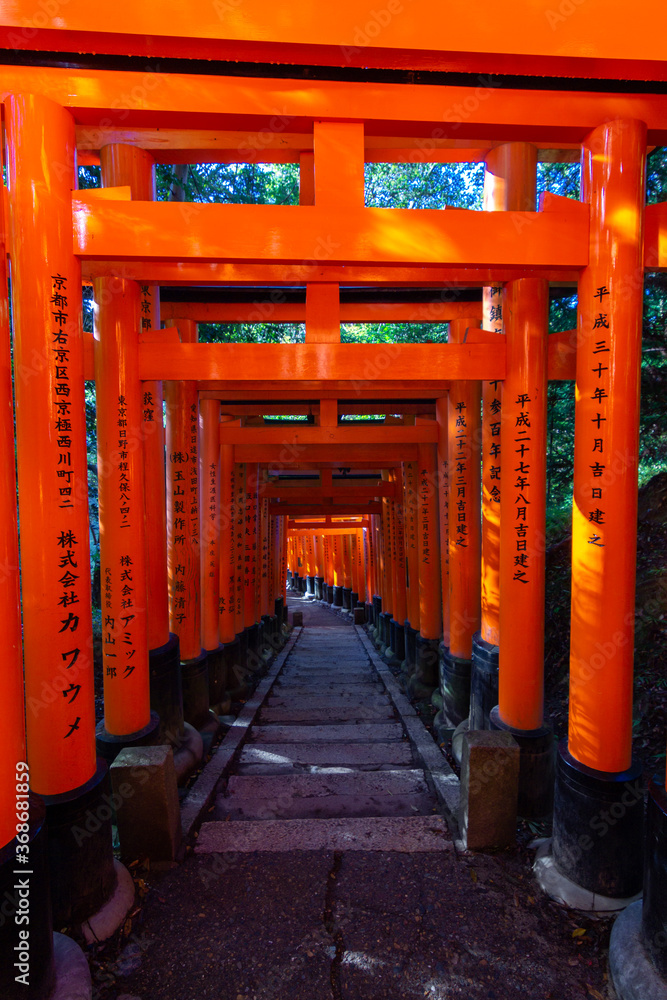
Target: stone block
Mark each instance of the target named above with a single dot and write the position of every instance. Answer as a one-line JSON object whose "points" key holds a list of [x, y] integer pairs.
{"points": [[489, 789], [297, 619], [360, 616], [146, 797]]}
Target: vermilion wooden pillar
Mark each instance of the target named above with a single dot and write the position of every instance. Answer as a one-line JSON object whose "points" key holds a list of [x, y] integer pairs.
{"points": [[442, 417], [238, 546], [509, 185], [16, 806], [522, 553], [53, 501], [130, 165], [387, 570], [121, 505], [184, 536], [336, 545], [425, 677], [400, 597], [464, 538], [346, 550], [227, 623], [595, 765], [411, 504], [250, 561]]}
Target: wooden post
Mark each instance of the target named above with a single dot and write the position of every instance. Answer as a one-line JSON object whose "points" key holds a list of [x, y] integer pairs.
{"points": [[426, 675], [522, 551], [464, 537], [596, 765]]}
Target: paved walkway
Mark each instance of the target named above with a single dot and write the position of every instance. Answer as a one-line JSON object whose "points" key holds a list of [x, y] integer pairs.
{"points": [[324, 870], [327, 765]]}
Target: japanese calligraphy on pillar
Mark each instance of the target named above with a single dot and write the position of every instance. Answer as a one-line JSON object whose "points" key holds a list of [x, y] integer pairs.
{"points": [[212, 518], [146, 307], [460, 460], [520, 421], [118, 638], [124, 485], [193, 498], [424, 493], [598, 348], [239, 519], [68, 544]]}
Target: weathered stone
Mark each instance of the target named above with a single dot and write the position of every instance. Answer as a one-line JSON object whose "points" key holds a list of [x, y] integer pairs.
{"points": [[365, 732], [144, 783], [297, 619], [489, 789]]}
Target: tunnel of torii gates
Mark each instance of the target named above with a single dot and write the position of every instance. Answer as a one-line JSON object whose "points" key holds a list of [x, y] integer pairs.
{"points": [[431, 519]]}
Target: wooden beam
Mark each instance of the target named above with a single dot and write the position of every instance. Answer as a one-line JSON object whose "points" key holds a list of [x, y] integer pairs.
{"points": [[295, 312], [181, 100], [181, 232], [335, 510], [333, 455], [364, 433], [325, 526], [351, 494], [358, 366]]}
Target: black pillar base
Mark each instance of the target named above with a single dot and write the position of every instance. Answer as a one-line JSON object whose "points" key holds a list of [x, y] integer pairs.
{"points": [[231, 670], [536, 767], [109, 746], [278, 604], [80, 849], [270, 643], [598, 826], [26, 898], [397, 635], [295, 581], [290, 581], [483, 682], [337, 597], [654, 909], [285, 615], [427, 657], [164, 666], [194, 675], [454, 682], [319, 587], [303, 585], [377, 610], [347, 594], [410, 647], [354, 600], [235, 654], [329, 593], [310, 586], [217, 675], [385, 628]]}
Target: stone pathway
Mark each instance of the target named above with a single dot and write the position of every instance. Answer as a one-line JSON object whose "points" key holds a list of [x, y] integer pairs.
{"points": [[327, 763]]}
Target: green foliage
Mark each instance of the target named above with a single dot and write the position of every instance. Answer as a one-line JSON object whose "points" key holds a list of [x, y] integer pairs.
{"points": [[233, 183]]}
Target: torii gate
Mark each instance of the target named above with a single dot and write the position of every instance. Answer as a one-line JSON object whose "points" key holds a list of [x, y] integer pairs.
{"points": [[128, 245]]}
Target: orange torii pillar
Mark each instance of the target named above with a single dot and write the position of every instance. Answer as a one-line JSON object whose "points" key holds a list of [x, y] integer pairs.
{"points": [[53, 501], [337, 551], [369, 558], [183, 537], [220, 694], [379, 579], [411, 518], [354, 572], [397, 625], [238, 549], [22, 814], [383, 640], [522, 552], [442, 417], [128, 165], [509, 186], [319, 566], [464, 539], [327, 587], [269, 622], [211, 530], [596, 774], [250, 561], [426, 675], [278, 577], [346, 548], [359, 591]]}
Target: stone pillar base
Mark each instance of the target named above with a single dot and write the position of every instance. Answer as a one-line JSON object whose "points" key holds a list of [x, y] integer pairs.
{"points": [[347, 598], [654, 916], [337, 597], [489, 787], [109, 746], [149, 816], [536, 771]]}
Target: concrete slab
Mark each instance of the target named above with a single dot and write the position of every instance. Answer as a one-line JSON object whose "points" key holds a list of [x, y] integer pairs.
{"points": [[341, 712], [350, 755], [332, 700], [365, 731], [304, 796], [407, 834], [633, 973]]}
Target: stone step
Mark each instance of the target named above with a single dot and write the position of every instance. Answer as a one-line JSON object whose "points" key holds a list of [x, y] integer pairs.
{"points": [[293, 796], [274, 770], [407, 834], [327, 754], [365, 732], [336, 711], [324, 699]]}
